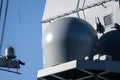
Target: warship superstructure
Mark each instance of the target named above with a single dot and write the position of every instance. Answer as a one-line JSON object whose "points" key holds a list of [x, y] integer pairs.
{"points": [[81, 40]]}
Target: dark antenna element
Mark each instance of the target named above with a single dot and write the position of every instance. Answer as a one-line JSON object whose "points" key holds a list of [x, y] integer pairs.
{"points": [[1, 4]]}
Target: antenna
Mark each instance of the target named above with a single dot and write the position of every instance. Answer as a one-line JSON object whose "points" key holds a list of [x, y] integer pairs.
{"points": [[78, 3], [83, 9], [100, 27], [1, 3], [9, 60], [4, 24]]}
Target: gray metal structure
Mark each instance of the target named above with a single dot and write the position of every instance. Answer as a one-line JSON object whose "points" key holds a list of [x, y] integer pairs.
{"points": [[9, 61], [104, 64]]}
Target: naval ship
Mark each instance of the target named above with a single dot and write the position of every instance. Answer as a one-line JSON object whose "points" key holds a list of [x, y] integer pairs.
{"points": [[81, 40]]}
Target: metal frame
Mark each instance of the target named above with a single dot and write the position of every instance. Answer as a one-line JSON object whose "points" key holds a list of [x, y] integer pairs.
{"points": [[90, 68]]}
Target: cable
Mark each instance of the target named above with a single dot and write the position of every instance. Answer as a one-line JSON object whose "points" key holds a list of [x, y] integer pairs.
{"points": [[75, 11], [83, 10], [1, 4], [77, 7], [119, 3], [4, 24]]}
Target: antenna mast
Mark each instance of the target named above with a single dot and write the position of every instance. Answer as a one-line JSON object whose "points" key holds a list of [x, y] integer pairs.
{"points": [[4, 24]]}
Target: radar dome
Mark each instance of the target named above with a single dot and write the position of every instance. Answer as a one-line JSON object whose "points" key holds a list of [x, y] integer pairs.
{"points": [[109, 44], [67, 39], [10, 53]]}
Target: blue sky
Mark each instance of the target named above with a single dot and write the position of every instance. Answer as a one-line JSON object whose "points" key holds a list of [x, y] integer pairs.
{"points": [[23, 32]]}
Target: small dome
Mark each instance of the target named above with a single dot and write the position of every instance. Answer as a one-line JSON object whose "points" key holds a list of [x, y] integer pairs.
{"points": [[10, 53], [109, 44]]}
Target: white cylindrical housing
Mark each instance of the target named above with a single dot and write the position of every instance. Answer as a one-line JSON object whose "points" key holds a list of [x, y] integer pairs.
{"points": [[10, 53]]}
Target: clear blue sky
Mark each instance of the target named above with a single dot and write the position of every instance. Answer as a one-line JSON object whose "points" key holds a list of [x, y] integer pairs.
{"points": [[24, 34]]}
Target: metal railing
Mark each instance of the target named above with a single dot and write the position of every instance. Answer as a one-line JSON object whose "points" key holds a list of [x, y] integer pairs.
{"points": [[75, 11]]}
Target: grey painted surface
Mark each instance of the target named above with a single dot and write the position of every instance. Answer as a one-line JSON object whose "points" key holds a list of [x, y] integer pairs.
{"points": [[58, 7], [68, 39]]}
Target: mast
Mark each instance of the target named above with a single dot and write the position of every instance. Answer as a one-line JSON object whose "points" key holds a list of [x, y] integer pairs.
{"points": [[4, 25]]}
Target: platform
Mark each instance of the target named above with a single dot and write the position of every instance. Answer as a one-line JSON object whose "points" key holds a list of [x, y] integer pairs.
{"points": [[82, 70]]}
